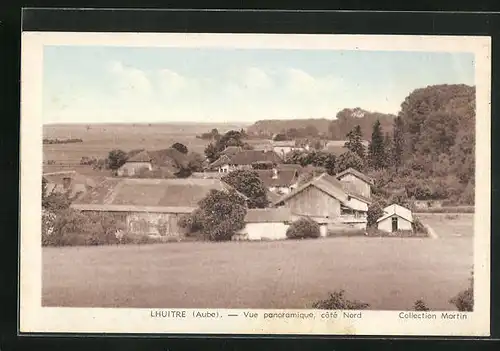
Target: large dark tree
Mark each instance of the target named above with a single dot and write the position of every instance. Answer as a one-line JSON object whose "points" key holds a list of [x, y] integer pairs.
{"points": [[376, 151], [116, 158], [354, 142], [180, 147], [249, 184], [349, 160], [398, 142], [222, 214]]}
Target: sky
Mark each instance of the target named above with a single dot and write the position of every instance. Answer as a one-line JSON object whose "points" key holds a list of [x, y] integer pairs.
{"points": [[99, 84]]}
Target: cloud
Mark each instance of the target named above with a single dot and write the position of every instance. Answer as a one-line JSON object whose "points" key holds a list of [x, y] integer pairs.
{"points": [[256, 78], [130, 79], [171, 82], [300, 82]]}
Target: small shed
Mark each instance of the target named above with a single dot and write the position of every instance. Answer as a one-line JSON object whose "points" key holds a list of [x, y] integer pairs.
{"points": [[395, 218], [265, 223]]}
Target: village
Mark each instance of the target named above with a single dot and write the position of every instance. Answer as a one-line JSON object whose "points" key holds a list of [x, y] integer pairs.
{"points": [[338, 203]]}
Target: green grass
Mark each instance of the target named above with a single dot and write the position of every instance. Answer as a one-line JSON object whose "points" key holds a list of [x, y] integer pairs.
{"points": [[387, 273]]}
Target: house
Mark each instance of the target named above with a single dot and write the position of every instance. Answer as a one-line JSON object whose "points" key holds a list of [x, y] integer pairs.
{"points": [[246, 159], [395, 218], [279, 181], [356, 181], [326, 200], [166, 162], [149, 206], [283, 148], [135, 164], [337, 147], [68, 182], [264, 223]]}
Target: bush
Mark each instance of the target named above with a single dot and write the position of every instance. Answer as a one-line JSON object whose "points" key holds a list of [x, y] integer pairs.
{"points": [[222, 214], [464, 300], [191, 222], [420, 305], [337, 301], [74, 228], [303, 228], [418, 226], [375, 211]]}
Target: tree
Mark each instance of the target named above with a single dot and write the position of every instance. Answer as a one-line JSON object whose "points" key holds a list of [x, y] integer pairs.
{"points": [[222, 214], [398, 142], [348, 160], [375, 211], [376, 151], [211, 152], [180, 147], [195, 162], [354, 142], [116, 159], [249, 184]]}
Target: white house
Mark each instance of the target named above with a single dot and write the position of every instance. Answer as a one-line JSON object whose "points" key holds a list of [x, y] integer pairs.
{"points": [[282, 148], [395, 218], [265, 223], [135, 164]]}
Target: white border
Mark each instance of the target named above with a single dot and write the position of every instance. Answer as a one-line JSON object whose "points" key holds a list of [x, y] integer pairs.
{"points": [[34, 318]]}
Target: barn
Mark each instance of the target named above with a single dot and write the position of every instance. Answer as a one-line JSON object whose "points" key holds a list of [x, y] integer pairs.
{"points": [[149, 206], [356, 181], [326, 200], [265, 224], [395, 218]]}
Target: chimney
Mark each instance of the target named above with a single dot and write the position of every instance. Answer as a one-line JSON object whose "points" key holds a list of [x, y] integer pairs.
{"points": [[275, 173]]}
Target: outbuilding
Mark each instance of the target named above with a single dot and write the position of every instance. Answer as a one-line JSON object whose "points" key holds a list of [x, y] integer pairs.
{"points": [[395, 218], [265, 223]]}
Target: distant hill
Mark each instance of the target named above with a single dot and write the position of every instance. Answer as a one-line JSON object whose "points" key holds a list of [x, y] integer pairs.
{"points": [[348, 118], [274, 126]]}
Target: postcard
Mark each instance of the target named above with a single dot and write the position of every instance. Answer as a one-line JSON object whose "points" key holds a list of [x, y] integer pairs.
{"points": [[194, 183]]}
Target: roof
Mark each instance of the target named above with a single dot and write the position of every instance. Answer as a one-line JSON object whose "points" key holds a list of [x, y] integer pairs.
{"points": [[286, 177], [272, 197], [397, 210], [284, 143], [231, 150], [165, 157], [76, 178], [267, 215], [154, 194], [247, 157], [221, 161], [325, 183], [357, 174], [289, 166], [208, 175], [142, 156]]}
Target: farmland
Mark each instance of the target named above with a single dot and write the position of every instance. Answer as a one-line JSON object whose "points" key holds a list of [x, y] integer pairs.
{"points": [[98, 140], [387, 273]]}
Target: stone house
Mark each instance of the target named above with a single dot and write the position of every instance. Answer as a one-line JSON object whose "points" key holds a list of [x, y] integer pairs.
{"points": [[149, 206], [246, 159], [165, 162]]}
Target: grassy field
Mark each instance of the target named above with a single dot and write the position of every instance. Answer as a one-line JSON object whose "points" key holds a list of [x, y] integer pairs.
{"points": [[450, 225], [388, 273], [98, 140]]}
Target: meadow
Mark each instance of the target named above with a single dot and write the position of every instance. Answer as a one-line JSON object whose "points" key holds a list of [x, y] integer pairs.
{"points": [[387, 273], [99, 139]]}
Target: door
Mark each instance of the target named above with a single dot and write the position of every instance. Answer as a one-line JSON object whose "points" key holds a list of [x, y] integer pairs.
{"points": [[394, 224]]}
